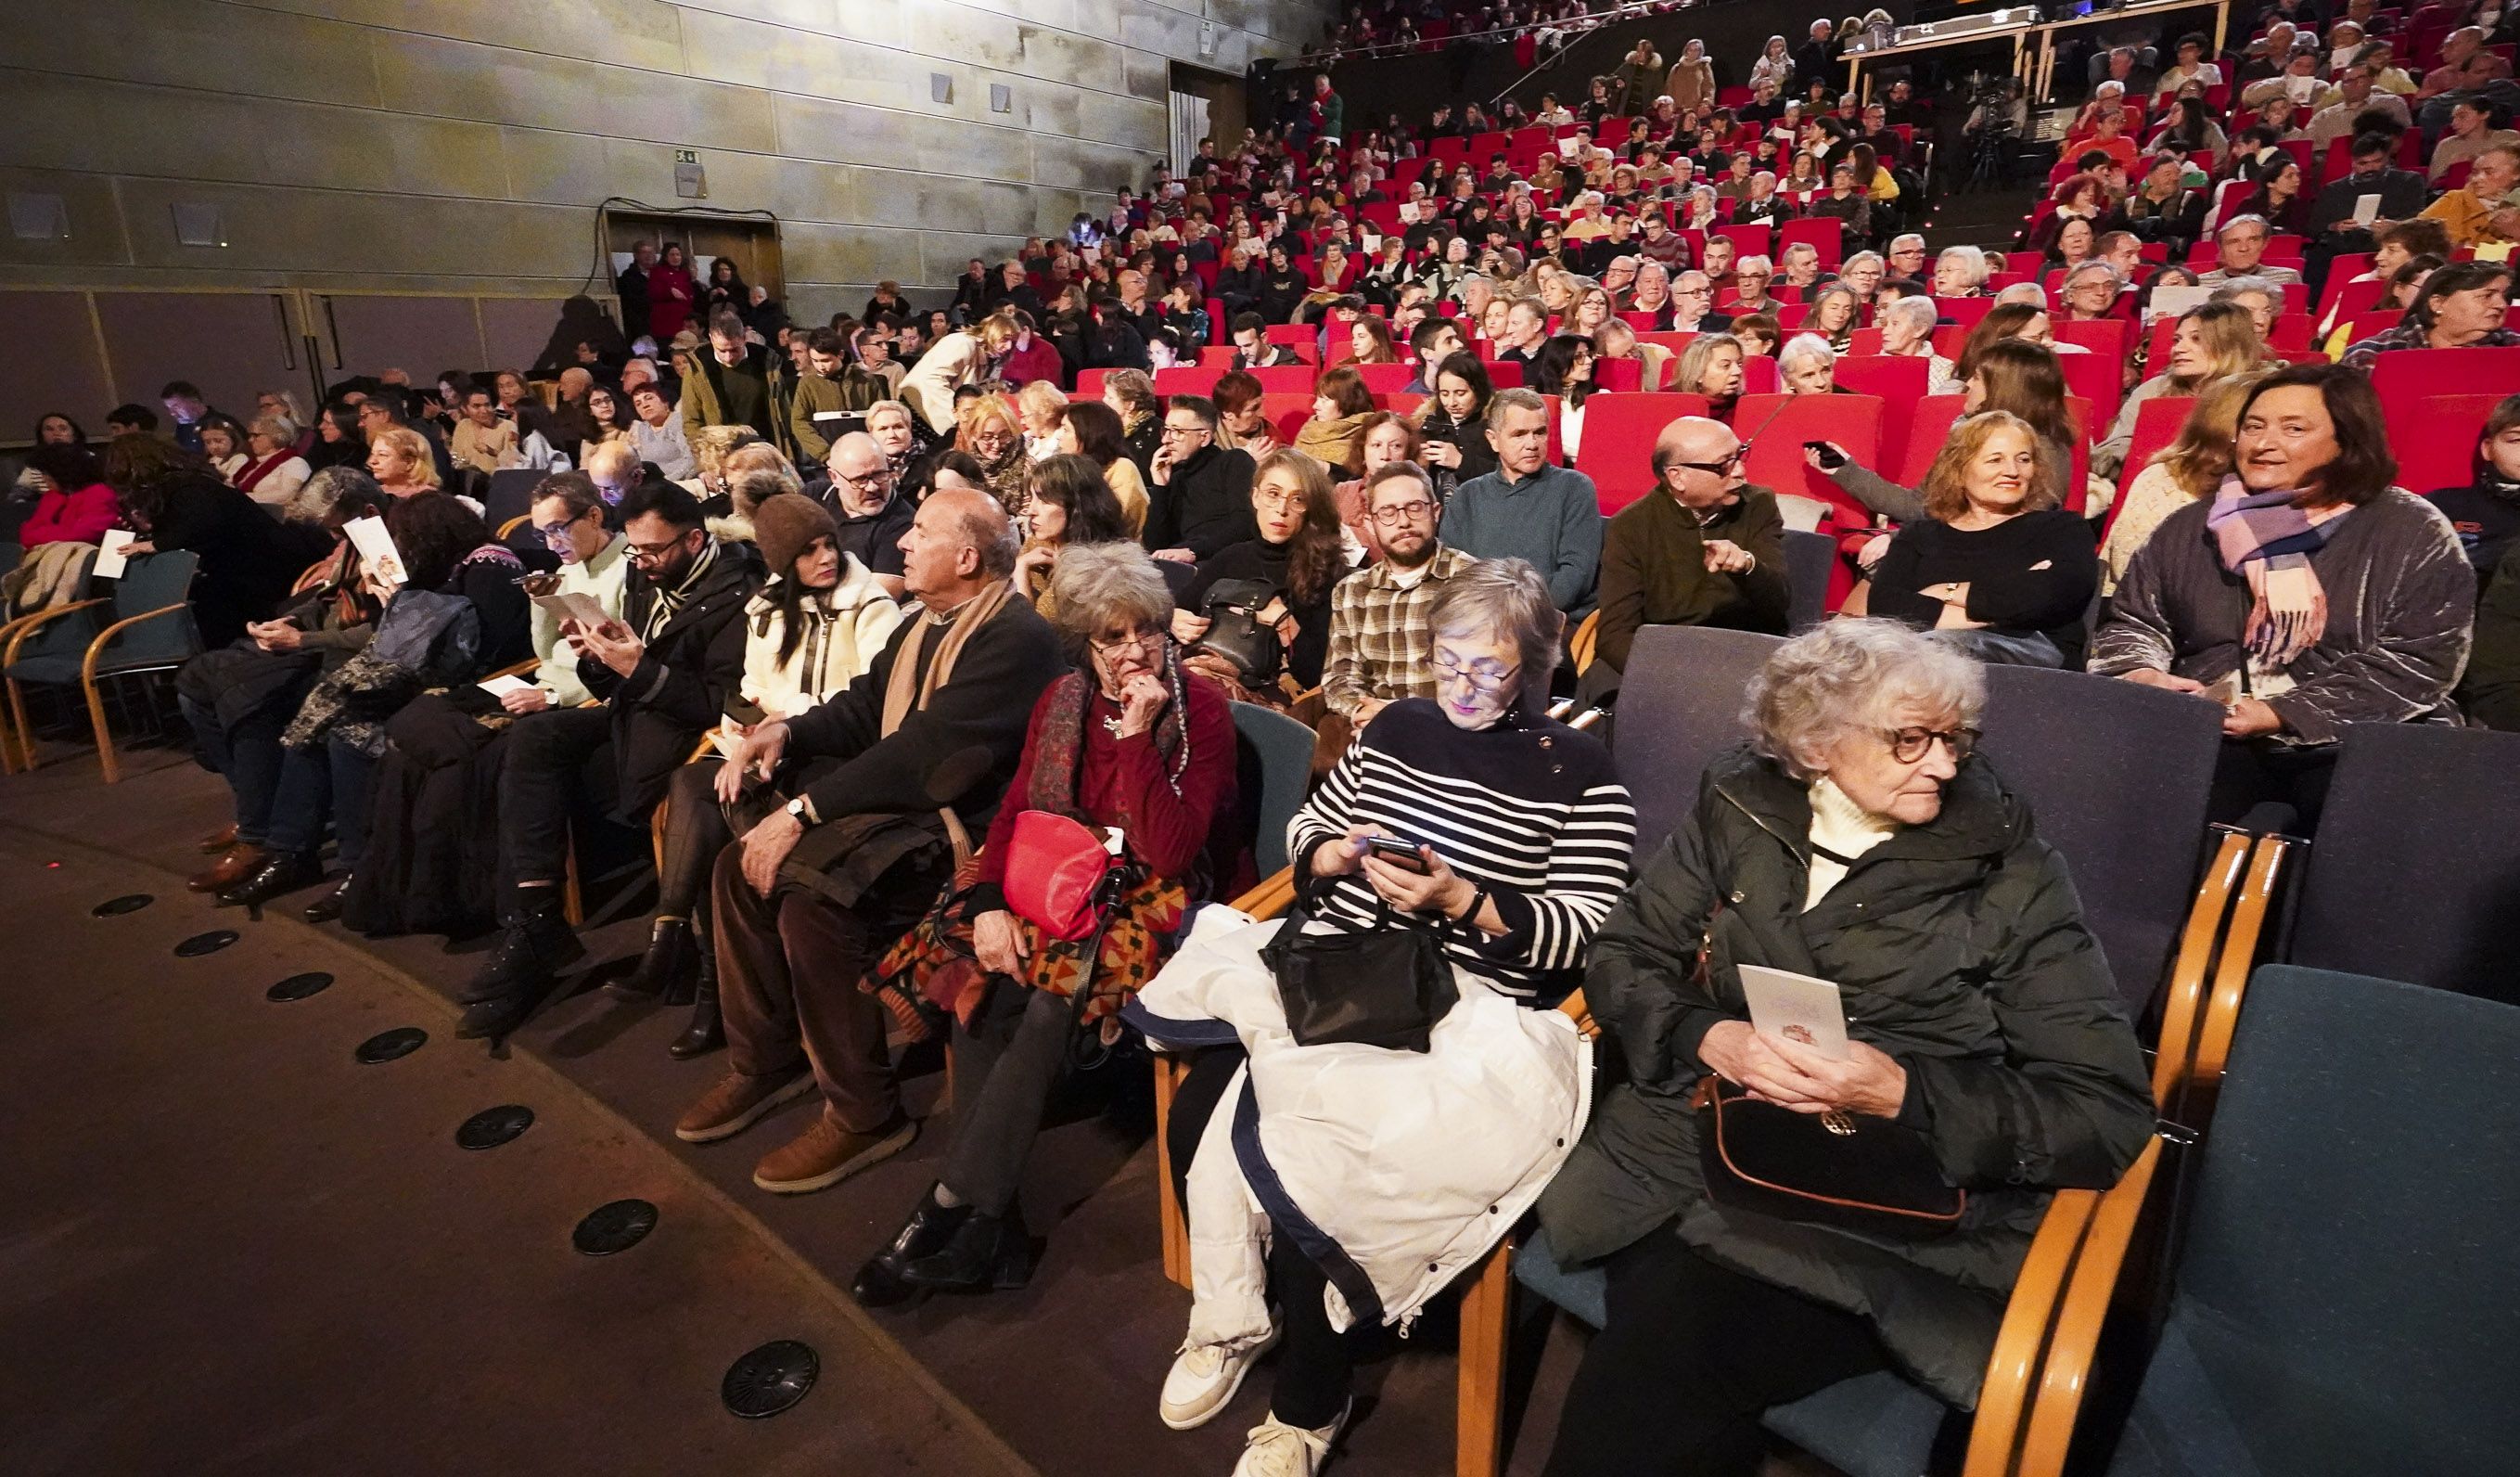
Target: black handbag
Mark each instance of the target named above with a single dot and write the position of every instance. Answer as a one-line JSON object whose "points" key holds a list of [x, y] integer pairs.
{"points": [[1235, 631], [1386, 985], [1852, 1169]]}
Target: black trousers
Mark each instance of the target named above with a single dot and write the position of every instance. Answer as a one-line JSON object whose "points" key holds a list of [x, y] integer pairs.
{"points": [[1692, 1355], [552, 757]]}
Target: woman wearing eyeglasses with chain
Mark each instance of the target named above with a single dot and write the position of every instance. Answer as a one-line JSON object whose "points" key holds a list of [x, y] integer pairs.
{"points": [[1988, 1063], [1385, 1172]]}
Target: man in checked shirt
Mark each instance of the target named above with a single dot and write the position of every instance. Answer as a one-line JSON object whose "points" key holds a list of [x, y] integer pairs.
{"points": [[1379, 637]]}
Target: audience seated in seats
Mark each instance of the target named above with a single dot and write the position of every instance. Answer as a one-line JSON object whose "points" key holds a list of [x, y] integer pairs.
{"points": [[1848, 841], [72, 502], [962, 358], [273, 471], [1281, 579], [2482, 212], [1564, 369], [1092, 430], [452, 611], [432, 829], [1334, 435], [1127, 739], [990, 428], [1387, 438], [398, 459], [1454, 425], [1711, 366], [2307, 595], [237, 698], [481, 441], [2471, 132], [663, 671], [1527, 509], [2010, 375], [831, 386], [1994, 566], [1378, 644], [852, 817], [1907, 332], [870, 512], [658, 436], [1131, 394], [2486, 513], [1242, 417], [1522, 833], [1711, 552], [1961, 271], [2214, 342], [1071, 506], [1807, 365], [812, 628], [2461, 305], [249, 559], [2161, 208], [2239, 251], [2090, 292], [2185, 471], [1199, 493]]}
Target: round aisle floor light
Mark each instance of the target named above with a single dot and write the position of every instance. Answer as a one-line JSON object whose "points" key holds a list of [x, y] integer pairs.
{"points": [[494, 1127], [205, 944], [115, 908], [770, 1379], [299, 986], [390, 1045], [617, 1225]]}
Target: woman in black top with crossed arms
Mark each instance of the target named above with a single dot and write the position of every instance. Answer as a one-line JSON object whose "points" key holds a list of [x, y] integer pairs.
{"points": [[1995, 564]]}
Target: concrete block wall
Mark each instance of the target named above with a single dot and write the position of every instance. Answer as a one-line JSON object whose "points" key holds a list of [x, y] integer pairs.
{"points": [[462, 145]]}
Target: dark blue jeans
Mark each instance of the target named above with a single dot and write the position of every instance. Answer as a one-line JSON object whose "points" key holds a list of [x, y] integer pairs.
{"points": [[329, 781], [246, 754]]}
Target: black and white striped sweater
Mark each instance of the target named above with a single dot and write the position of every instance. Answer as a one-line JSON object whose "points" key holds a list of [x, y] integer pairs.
{"points": [[1529, 808]]}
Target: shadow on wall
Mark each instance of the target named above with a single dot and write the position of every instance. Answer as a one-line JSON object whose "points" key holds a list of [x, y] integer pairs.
{"points": [[582, 321]]}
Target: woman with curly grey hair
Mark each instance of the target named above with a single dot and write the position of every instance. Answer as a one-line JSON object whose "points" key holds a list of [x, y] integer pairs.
{"points": [[1142, 751], [1855, 838]]}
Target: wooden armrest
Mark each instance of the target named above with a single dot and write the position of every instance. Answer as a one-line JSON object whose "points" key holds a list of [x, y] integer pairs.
{"points": [[1590, 718], [2013, 1370], [1272, 897], [513, 670], [2232, 975], [2065, 1376], [2183, 1002], [27, 626], [96, 648]]}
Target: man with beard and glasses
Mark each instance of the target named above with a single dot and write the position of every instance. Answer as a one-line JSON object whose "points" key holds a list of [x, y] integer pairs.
{"points": [[1378, 632], [665, 672]]}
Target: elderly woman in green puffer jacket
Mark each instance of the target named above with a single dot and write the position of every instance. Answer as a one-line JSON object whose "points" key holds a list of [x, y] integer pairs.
{"points": [[1855, 839]]}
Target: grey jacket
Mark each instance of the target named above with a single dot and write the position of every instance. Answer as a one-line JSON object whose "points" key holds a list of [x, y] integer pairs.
{"points": [[2400, 613], [1962, 952]]}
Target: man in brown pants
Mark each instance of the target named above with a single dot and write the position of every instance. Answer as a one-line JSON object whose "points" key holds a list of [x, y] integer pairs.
{"points": [[889, 777]]}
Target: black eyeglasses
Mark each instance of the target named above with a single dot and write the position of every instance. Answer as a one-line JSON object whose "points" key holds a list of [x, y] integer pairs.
{"points": [[1910, 746], [1740, 454]]}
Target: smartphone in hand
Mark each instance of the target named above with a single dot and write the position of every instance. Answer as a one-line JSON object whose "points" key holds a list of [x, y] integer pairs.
{"points": [[1400, 853]]}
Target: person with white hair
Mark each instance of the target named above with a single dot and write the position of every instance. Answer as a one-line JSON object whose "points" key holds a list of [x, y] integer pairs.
{"points": [[1908, 330], [1961, 271], [1853, 836], [1808, 365]]}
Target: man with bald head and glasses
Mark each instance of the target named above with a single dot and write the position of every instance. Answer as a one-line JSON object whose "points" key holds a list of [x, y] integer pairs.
{"points": [[1703, 548]]}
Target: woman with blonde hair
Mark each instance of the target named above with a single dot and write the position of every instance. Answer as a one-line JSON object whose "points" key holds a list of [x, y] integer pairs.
{"points": [[2214, 341], [1995, 566], [1711, 366], [2190, 466], [1335, 434], [398, 458], [990, 429], [1043, 405]]}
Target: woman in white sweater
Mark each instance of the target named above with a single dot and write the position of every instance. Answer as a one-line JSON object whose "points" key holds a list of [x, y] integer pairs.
{"points": [[813, 627]]}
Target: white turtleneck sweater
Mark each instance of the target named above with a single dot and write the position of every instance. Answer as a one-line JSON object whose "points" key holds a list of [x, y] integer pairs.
{"points": [[1840, 825]]}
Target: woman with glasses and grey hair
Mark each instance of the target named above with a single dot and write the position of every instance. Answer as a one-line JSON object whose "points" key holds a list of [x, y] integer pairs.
{"points": [[1507, 836], [1139, 749], [1854, 840]]}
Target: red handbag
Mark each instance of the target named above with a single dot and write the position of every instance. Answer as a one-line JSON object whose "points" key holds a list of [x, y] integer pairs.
{"points": [[1054, 871]]}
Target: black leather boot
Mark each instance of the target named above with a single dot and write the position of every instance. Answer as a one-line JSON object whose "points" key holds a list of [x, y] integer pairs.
{"points": [[878, 1282], [665, 972], [533, 949], [707, 1032], [328, 906], [281, 873], [986, 1253]]}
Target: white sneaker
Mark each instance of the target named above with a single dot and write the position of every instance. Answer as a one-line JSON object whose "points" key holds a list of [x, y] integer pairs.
{"points": [[1203, 1378], [1276, 1450]]}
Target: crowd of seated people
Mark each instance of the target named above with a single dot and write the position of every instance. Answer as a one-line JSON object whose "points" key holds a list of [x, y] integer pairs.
{"points": [[873, 595]]}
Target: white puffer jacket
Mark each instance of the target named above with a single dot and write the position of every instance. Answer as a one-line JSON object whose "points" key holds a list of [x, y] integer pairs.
{"points": [[1392, 1170]]}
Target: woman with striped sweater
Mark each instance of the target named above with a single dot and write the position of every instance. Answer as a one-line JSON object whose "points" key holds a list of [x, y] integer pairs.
{"points": [[1382, 1173]]}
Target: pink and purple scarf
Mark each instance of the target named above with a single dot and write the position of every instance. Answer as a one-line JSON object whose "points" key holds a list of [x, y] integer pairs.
{"points": [[2268, 539]]}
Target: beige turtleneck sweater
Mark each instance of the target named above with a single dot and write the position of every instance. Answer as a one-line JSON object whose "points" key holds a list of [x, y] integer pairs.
{"points": [[1842, 826]]}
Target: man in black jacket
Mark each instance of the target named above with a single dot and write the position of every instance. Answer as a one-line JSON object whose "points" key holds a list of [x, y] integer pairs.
{"points": [[2333, 229], [1199, 492], [632, 288], [886, 779], [664, 671]]}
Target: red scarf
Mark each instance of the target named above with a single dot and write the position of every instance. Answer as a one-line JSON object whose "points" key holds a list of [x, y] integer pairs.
{"points": [[256, 471]]}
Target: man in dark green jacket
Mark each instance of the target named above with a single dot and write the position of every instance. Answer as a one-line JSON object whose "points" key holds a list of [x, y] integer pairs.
{"points": [[739, 383], [1705, 548], [833, 385]]}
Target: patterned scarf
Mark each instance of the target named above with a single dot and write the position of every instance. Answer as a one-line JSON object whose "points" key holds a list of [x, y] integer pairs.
{"points": [[669, 602], [1063, 738], [2266, 538]]}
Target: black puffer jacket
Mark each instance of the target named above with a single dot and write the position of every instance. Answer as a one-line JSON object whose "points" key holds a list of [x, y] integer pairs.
{"points": [[1962, 952]]}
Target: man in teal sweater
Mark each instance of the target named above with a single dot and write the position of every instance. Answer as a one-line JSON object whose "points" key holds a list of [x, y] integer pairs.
{"points": [[1527, 509]]}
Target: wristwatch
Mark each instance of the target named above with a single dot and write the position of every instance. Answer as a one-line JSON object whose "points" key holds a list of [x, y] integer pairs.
{"points": [[797, 809]]}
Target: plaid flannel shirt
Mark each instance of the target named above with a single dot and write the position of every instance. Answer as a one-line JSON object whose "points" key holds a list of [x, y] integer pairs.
{"points": [[1379, 634]]}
